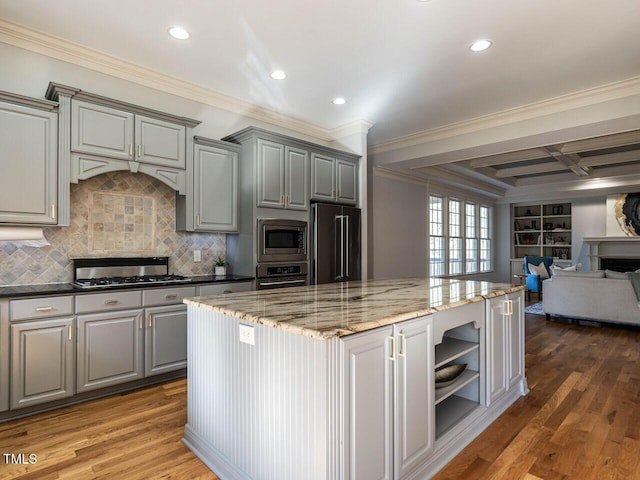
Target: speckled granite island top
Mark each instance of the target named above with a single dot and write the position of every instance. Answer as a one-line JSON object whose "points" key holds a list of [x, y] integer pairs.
{"points": [[338, 309]]}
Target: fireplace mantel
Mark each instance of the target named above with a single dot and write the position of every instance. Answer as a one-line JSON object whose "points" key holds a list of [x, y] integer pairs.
{"points": [[607, 247]]}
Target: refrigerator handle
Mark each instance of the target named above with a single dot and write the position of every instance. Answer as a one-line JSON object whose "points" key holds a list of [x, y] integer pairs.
{"points": [[340, 267], [346, 245]]}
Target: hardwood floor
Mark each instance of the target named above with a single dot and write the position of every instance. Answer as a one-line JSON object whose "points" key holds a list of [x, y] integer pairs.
{"points": [[581, 420], [131, 436]]}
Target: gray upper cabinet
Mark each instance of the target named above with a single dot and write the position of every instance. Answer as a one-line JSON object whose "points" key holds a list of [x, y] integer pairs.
{"points": [[211, 204], [99, 135], [105, 131], [159, 142], [28, 155], [282, 176], [101, 130], [333, 179]]}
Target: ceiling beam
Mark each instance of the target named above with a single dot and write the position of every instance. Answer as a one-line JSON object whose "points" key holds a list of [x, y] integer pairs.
{"points": [[602, 142], [537, 168], [610, 159], [509, 157]]}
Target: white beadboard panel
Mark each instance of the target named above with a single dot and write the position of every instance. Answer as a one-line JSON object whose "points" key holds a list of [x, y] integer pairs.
{"points": [[259, 411]]}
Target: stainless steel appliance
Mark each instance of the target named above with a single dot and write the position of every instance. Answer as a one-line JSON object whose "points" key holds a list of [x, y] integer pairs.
{"points": [[278, 275], [113, 272], [281, 240], [336, 239]]}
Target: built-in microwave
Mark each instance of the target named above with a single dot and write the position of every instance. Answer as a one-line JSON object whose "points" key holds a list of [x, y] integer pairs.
{"points": [[282, 240]]}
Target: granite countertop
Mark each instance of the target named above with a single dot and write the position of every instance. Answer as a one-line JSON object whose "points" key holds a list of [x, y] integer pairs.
{"points": [[48, 289], [338, 309]]}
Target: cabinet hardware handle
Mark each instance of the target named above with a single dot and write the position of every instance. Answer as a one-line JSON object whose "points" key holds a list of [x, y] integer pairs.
{"points": [[44, 309], [150, 320], [288, 199], [170, 296], [69, 331], [140, 325], [228, 291], [139, 150], [110, 302], [508, 307], [392, 356], [403, 345], [131, 149], [53, 211], [197, 220]]}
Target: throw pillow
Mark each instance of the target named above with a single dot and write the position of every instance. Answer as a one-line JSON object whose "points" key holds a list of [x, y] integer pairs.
{"points": [[539, 270], [617, 275], [572, 268]]}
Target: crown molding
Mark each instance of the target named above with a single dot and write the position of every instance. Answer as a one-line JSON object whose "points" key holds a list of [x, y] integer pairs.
{"points": [[60, 49], [583, 98]]}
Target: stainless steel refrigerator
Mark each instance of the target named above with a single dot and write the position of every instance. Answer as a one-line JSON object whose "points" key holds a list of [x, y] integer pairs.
{"points": [[336, 237]]}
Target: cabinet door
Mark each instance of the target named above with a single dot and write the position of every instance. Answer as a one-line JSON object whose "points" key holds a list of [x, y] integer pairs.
{"points": [[28, 183], [366, 401], [270, 174], [496, 349], [165, 339], [346, 179], [296, 168], [42, 361], [515, 323], [159, 142], [215, 189], [110, 349], [101, 130], [322, 177], [414, 404]]}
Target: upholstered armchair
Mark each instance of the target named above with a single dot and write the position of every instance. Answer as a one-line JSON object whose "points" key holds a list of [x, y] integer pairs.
{"points": [[536, 273]]}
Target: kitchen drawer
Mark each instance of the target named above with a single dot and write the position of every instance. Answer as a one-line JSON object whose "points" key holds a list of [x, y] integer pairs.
{"points": [[218, 288], [166, 296], [46, 307], [105, 302]]}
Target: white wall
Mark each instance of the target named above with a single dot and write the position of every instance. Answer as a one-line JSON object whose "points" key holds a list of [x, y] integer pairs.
{"points": [[399, 228], [588, 220]]}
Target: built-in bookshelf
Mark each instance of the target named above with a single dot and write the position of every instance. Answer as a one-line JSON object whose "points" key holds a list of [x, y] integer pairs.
{"points": [[542, 229]]}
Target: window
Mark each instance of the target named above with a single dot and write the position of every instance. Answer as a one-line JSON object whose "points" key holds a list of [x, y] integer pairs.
{"points": [[436, 236], [485, 240], [459, 237], [455, 237], [471, 238]]}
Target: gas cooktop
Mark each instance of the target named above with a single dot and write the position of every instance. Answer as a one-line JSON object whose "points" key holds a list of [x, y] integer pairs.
{"points": [[114, 272]]}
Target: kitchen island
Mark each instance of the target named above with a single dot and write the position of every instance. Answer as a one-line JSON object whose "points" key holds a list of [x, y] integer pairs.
{"points": [[338, 381]]}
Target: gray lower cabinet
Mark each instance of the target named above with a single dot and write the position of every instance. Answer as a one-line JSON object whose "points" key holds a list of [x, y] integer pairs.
{"points": [[505, 344], [165, 339], [387, 400], [211, 204], [28, 155], [333, 179], [41, 361], [110, 348]]}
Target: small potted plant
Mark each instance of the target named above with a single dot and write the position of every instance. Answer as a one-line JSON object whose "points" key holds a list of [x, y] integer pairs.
{"points": [[220, 267]]}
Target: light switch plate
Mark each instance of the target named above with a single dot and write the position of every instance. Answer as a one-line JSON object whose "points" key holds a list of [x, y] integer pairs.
{"points": [[197, 255], [247, 334]]}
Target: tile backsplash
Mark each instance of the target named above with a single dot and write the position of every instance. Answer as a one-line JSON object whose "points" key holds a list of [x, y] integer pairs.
{"points": [[117, 214]]}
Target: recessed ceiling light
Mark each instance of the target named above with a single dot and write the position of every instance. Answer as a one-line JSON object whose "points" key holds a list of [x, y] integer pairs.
{"points": [[179, 32], [278, 75], [339, 101], [480, 45]]}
